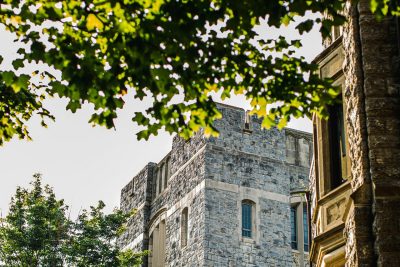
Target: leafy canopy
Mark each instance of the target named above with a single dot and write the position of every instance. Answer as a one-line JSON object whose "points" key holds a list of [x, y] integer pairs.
{"points": [[170, 51], [37, 232]]}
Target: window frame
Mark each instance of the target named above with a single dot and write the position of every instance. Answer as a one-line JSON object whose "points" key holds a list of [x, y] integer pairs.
{"points": [[327, 177], [298, 208], [253, 220]]}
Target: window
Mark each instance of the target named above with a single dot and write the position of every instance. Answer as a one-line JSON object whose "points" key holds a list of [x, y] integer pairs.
{"points": [[305, 227], [293, 227], [299, 227], [155, 177], [184, 227], [160, 179], [247, 122], [157, 245], [332, 161], [337, 146], [166, 173], [247, 218]]}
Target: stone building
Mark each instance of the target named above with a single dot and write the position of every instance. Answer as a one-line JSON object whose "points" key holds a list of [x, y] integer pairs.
{"points": [[355, 178], [223, 201]]}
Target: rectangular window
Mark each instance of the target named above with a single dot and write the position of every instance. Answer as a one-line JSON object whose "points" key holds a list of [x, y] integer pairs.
{"points": [[246, 220], [166, 174], [159, 185], [305, 226], [293, 227], [337, 147]]}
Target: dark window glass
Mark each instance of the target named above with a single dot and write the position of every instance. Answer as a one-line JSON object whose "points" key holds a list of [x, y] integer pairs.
{"points": [[246, 220], [293, 227], [160, 180], [337, 145], [305, 226]]}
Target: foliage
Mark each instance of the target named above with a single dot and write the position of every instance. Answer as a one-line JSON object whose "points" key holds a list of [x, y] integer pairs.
{"points": [[18, 104], [93, 240], [165, 49], [37, 232], [34, 231]]}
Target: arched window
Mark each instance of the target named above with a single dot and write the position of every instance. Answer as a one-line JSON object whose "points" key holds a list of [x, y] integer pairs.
{"points": [[248, 218], [184, 227], [157, 239]]}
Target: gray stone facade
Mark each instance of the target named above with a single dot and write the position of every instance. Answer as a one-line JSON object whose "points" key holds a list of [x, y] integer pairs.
{"points": [[211, 177]]}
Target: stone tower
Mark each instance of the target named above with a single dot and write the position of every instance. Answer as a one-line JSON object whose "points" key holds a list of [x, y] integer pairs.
{"points": [[223, 201]]}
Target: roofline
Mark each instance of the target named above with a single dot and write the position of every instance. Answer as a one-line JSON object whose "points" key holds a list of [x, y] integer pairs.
{"points": [[228, 106], [328, 50], [308, 134]]}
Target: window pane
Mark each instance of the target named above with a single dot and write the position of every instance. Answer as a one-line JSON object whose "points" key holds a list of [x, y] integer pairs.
{"points": [[305, 225], [337, 147], [293, 227], [246, 220]]}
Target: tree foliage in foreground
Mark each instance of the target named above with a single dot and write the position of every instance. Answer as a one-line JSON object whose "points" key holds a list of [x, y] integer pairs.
{"points": [[37, 232], [162, 49]]}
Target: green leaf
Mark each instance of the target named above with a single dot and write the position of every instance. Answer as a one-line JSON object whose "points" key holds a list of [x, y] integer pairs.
{"points": [[18, 63], [8, 77], [305, 26]]}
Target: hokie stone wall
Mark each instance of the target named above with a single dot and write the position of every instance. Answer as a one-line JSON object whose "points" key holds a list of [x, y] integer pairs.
{"points": [[211, 177]]}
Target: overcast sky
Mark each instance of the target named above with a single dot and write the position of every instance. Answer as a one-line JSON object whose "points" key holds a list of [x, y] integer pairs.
{"points": [[85, 164]]}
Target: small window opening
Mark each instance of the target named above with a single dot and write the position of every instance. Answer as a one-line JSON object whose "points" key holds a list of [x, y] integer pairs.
{"points": [[247, 219], [166, 174], [247, 122], [160, 179], [184, 227], [305, 226], [293, 227], [337, 142]]}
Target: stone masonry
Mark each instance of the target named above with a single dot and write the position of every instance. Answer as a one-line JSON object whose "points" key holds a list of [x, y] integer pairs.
{"points": [[211, 177], [371, 194], [372, 95]]}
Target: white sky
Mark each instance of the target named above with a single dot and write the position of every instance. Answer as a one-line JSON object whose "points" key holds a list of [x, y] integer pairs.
{"points": [[85, 164]]}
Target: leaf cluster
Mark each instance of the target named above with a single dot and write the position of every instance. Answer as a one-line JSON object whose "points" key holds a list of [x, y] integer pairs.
{"points": [[19, 101], [37, 232], [178, 53]]}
